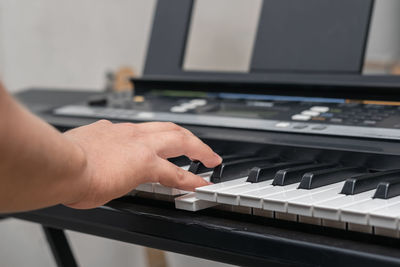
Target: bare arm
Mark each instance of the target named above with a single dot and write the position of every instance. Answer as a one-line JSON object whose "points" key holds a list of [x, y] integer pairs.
{"points": [[88, 166]]}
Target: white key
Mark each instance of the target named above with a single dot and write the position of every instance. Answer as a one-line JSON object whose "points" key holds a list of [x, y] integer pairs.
{"points": [[359, 228], [387, 232], [191, 203], [359, 213], [301, 117], [254, 199], [209, 192], [278, 202], [387, 217], [305, 205], [231, 196], [331, 209], [148, 187], [310, 113], [320, 109]]}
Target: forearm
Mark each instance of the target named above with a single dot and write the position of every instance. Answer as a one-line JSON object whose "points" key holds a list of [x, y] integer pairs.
{"points": [[39, 167]]}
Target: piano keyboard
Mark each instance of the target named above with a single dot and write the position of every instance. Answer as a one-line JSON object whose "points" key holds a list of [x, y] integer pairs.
{"points": [[347, 190]]}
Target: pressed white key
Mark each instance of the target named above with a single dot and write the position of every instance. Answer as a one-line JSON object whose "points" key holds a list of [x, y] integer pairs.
{"points": [[331, 209], [278, 202], [209, 192], [254, 199], [359, 213], [304, 205], [191, 203], [148, 187], [232, 195], [387, 217]]}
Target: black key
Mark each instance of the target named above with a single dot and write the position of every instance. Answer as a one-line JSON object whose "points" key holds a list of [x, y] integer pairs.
{"points": [[238, 168], [197, 167], [319, 178], [388, 189], [359, 184], [264, 173], [294, 175], [180, 161]]}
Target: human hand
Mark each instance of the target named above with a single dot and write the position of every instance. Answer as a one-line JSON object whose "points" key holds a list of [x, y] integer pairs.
{"points": [[121, 156]]}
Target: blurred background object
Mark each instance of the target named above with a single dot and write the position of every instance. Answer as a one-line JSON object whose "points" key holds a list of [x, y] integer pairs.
{"points": [[74, 44]]}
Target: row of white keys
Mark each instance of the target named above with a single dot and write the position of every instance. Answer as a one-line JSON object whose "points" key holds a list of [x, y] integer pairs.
{"points": [[359, 212], [330, 209], [209, 192], [254, 199], [386, 217], [279, 202], [305, 205], [231, 195]]}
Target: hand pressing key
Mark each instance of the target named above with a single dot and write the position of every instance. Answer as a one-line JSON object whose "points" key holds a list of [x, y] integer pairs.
{"points": [[122, 156]]}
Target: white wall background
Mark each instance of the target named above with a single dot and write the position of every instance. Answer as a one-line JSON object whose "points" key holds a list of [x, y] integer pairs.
{"points": [[71, 44]]}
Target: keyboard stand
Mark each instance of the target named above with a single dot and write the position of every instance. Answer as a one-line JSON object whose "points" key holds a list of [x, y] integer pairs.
{"points": [[60, 247]]}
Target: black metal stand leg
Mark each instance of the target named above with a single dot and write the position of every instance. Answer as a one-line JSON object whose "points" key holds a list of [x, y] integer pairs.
{"points": [[60, 247]]}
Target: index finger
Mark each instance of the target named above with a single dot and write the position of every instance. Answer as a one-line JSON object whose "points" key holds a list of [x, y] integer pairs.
{"points": [[170, 175]]}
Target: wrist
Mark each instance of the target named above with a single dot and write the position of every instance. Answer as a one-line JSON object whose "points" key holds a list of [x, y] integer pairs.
{"points": [[79, 178]]}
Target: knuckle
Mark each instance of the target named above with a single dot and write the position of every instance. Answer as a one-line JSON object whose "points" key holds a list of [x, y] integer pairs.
{"points": [[104, 122]]}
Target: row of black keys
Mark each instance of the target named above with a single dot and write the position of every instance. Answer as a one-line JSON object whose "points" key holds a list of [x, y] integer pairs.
{"points": [[310, 174]]}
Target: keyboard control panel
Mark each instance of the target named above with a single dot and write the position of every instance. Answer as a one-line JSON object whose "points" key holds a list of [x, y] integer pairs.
{"points": [[371, 119]]}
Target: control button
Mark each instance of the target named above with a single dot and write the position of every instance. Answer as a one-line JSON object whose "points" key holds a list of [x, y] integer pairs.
{"points": [[369, 122], [336, 120], [199, 102], [300, 126], [301, 117], [189, 105], [310, 113], [319, 127], [320, 109], [282, 124], [178, 109]]}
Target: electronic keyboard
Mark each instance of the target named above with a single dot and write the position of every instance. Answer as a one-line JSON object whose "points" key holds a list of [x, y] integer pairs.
{"points": [[341, 186], [279, 197]]}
